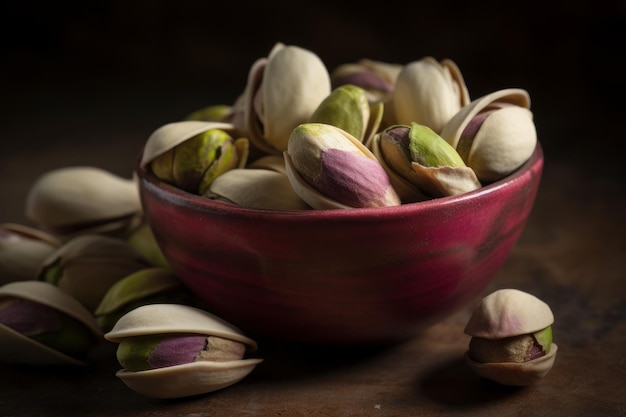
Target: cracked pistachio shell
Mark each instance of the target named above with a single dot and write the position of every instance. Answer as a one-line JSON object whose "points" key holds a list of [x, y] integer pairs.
{"points": [[348, 108], [494, 134], [330, 168], [271, 162], [191, 154], [146, 286], [424, 162], [186, 379], [83, 199], [22, 250], [87, 265], [256, 188], [508, 315], [69, 347], [283, 90], [429, 92]]}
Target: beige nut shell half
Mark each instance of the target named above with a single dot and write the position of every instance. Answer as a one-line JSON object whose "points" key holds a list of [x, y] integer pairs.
{"points": [[18, 348]]}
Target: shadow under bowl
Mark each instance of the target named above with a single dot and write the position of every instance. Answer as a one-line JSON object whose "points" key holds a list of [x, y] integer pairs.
{"points": [[356, 276]]}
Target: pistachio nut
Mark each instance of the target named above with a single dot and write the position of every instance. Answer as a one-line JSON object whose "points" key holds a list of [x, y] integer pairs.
{"points": [[87, 265], [511, 338], [377, 78], [421, 164], [143, 241], [348, 108], [282, 91], [22, 250], [151, 285], [256, 188], [83, 199], [191, 154], [213, 113], [429, 92], [494, 134], [41, 324], [175, 350], [330, 168]]}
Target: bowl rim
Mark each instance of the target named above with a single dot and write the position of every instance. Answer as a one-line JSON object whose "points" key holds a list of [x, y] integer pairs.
{"points": [[182, 197]]}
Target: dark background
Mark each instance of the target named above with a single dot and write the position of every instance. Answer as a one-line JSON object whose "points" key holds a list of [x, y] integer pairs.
{"points": [[100, 72]]}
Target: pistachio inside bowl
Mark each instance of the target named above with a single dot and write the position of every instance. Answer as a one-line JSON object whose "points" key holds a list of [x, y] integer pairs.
{"points": [[340, 276]]}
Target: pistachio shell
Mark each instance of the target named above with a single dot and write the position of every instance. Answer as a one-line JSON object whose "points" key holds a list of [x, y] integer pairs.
{"points": [[429, 92], [282, 91], [271, 162], [327, 164], [515, 373], [87, 265], [170, 135], [18, 348], [256, 188], [188, 379], [509, 312], [505, 139], [82, 199], [22, 250], [175, 318]]}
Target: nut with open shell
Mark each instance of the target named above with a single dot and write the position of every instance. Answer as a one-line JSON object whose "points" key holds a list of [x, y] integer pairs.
{"points": [[511, 338], [190, 154], [494, 134], [282, 91], [429, 92], [174, 351], [40, 324]]}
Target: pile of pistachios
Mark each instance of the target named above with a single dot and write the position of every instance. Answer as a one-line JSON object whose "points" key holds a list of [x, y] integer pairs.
{"points": [[367, 134], [298, 137]]}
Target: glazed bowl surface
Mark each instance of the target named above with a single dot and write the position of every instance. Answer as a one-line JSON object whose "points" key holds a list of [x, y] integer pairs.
{"points": [[344, 276]]}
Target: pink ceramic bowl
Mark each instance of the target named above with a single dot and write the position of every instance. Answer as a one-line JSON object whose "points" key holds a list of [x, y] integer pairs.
{"points": [[356, 276]]}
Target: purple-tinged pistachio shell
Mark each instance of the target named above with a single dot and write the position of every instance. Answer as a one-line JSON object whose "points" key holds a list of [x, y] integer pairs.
{"points": [[327, 164], [511, 338], [174, 351], [282, 91], [494, 134], [41, 324], [429, 93]]}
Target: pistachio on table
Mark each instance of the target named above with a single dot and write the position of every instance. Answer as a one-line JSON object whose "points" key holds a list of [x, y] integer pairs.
{"points": [[142, 239], [22, 250], [511, 338], [75, 200], [330, 168], [87, 265], [41, 324], [173, 351], [152, 285]]}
